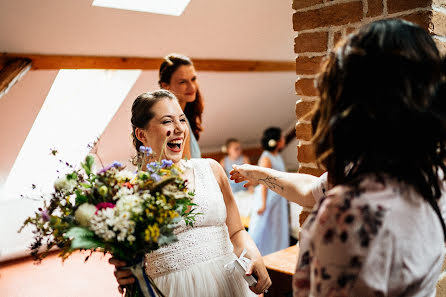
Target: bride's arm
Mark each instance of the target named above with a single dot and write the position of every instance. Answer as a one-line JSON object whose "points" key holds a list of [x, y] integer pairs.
{"points": [[237, 233]]}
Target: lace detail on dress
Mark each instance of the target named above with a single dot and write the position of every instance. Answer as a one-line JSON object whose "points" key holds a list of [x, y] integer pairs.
{"points": [[208, 239]]}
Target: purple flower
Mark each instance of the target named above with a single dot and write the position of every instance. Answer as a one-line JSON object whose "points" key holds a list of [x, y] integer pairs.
{"points": [[44, 215], [116, 164], [106, 168], [166, 163], [152, 166], [155, 177], [149, 151], [145, 149]]}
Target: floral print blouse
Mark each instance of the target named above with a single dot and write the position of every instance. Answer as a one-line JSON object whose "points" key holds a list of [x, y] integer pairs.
{"points": [[377, 239]]}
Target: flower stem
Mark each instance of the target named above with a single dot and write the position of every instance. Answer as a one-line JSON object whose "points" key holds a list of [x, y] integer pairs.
{"points": [[164, 145]]}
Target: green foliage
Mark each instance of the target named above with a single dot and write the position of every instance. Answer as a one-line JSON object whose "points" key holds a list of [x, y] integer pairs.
{"points": [[82, 238]]}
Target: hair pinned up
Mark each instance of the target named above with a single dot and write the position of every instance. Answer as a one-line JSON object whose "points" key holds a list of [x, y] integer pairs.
{"points": [[270, 138]]}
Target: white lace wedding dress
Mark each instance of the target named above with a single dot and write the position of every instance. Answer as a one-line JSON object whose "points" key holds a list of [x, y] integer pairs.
{"points": [[194, 265]]}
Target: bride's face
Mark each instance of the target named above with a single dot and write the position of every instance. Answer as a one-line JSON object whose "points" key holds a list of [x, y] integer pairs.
{"points": [[170, 120]]}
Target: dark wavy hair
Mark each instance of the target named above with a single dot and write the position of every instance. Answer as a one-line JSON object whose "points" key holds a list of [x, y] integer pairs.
{"points": [[375, 113], [271, 133], [142, 113], [193, 110]]}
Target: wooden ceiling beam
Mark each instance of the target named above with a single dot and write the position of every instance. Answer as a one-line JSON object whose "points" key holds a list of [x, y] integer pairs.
{"points": [[11, 71], [46, 62]]}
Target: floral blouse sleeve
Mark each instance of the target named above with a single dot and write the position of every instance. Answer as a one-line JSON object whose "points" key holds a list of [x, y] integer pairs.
{"points": [[320, 187], [338, 247]]}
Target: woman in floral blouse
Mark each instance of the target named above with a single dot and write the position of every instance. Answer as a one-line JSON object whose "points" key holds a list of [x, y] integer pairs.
{"points": [[379, 230]]}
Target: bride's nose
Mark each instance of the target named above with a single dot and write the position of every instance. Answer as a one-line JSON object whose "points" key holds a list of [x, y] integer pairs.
{"points": [[179, 127]]}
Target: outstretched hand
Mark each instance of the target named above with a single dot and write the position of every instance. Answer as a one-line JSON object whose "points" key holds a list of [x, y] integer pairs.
{"points": [[241, 173], [123, 276]]}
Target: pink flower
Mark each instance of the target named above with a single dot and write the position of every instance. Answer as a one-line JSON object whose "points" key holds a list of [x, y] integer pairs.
{"points": [[103, 205]]}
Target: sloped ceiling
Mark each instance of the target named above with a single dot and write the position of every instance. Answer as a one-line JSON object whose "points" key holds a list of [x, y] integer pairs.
{"points": [[236, 29], [237, 104]]}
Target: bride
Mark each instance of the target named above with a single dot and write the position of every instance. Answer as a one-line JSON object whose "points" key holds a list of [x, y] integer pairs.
{"points": [[195, 264]]}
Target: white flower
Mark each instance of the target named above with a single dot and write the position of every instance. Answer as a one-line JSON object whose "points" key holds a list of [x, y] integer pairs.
{"points": [[130, 203], [124, 175], [64, 184], [103, 222], [124, 191], [84, 214], [124, 226]]}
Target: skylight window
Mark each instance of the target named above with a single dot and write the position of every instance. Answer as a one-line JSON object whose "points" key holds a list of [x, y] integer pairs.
{"points": [[78, 108], [168, 7]]}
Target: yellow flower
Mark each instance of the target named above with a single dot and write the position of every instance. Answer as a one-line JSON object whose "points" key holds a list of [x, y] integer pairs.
{"points": [[152, 233], [173, 214], [162, 216]]}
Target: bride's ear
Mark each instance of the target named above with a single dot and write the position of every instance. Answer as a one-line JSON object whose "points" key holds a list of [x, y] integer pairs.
{"points": [[164, 86], [141, 135]]}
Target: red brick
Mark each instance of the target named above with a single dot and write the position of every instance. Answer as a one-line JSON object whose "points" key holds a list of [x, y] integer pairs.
{"points": [[308, 65], [402, 5], [298, 4], [332, 15], [375, 8], [304, 109], [310, 170], [441, 3], [305, 87], [303, 131], [350, 30], [432, 21], [311, 42], [441, 46], [438, 21], [305, 153], [421, 18], [337, 36]]}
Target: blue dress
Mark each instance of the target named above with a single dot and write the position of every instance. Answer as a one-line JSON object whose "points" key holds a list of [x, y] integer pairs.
{"points": [[235, 187], [270, 230], [194, 148]]}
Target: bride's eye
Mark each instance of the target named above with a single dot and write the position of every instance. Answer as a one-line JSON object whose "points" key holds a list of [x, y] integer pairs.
{"points": [[183, 120], [167, 122]]}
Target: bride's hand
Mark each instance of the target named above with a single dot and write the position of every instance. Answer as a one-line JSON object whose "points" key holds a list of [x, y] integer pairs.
{"points": [[123, 276], [240, 173], [258, 268]]}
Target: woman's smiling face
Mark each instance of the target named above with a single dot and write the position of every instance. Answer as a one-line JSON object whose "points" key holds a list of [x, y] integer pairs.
{"points": [[167, 128]]}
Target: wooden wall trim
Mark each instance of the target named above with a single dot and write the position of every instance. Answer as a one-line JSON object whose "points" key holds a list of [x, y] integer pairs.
{"points": [[11, 71], [40, 62]]}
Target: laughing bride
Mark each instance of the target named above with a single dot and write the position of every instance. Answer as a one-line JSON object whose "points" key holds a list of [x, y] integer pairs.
{"points": [[195, 264]]}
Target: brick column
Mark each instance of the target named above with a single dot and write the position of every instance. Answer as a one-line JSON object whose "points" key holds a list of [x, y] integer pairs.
{"points": [[320, 24]]}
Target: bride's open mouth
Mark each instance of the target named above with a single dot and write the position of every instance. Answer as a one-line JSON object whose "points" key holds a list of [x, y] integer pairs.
{"points": [[175, 145]]}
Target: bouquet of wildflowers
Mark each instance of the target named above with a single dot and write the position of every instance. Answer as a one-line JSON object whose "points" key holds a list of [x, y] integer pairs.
{"points": [[114, 211]]}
